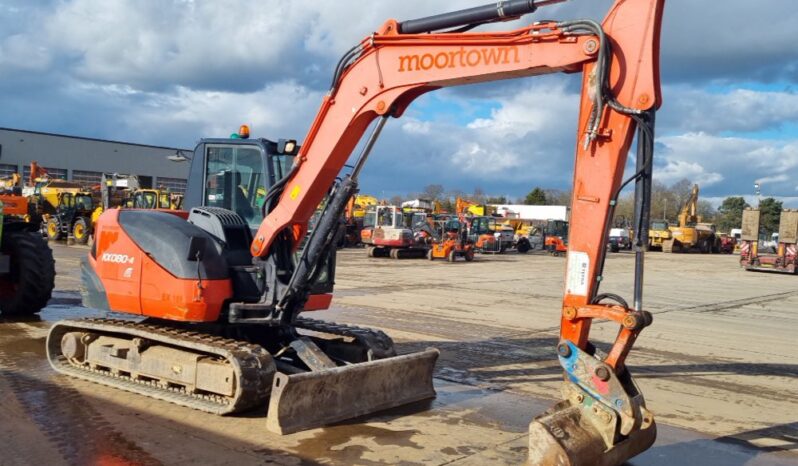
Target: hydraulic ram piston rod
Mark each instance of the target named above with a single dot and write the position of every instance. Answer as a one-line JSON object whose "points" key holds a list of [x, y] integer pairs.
{"points": [[499, 11]]}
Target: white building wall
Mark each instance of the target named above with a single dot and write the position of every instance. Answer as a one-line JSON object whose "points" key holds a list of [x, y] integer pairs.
{"points": [[533, 212]]}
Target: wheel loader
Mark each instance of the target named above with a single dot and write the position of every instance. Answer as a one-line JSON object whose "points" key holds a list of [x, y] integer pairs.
{"points": [[223, 288], [73, 216]]}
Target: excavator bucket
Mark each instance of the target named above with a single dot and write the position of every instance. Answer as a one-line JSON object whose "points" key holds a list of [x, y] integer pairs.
{"points": [[583, 432], [565, 436], [312, 399]]}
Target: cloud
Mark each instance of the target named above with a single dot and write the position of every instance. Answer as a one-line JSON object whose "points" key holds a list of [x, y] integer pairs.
{"points": [[773, 179], [170, 72], [219, 45], [675, 170], [277, 110], [736, 161], [737, 110]]}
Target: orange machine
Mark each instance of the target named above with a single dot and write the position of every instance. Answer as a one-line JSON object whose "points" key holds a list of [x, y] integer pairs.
{"points": [[556, 237], [257, 298], [454, 243]]}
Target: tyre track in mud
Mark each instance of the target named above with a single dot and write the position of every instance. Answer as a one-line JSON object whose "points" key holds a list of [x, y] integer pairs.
{"points": [[79, 433]]}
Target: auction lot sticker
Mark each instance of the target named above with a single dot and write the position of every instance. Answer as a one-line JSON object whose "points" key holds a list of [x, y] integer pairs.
{"points": [[578, 267]]}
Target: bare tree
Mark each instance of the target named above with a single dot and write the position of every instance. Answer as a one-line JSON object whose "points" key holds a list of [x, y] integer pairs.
{"points": [[432, 192]]}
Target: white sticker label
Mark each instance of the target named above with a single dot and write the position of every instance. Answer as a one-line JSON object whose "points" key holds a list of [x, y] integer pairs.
{"points": [[116, 258], [577, 275]]}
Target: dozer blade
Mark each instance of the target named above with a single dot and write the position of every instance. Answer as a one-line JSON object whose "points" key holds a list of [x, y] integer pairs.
{"points": [[565, 437], [312, 399]]}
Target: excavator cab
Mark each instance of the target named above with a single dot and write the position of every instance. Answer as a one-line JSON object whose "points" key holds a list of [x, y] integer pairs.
{"points": [[236, 174]]}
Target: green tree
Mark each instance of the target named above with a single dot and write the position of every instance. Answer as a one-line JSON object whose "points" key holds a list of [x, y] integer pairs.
{"points": [[730, 213], [769, 214], [535, 197]]}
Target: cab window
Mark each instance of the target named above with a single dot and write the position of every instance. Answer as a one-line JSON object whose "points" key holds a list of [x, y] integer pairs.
{"points": [[234, 181]]}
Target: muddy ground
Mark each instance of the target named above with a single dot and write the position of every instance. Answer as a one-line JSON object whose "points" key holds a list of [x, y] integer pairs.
{"points": [[718, 369]]}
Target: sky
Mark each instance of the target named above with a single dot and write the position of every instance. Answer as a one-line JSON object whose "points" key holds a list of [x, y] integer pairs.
{"points": [[169, 72]]}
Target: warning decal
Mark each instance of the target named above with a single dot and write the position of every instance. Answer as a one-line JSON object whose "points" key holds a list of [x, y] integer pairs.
{"points": [[577, 274]]}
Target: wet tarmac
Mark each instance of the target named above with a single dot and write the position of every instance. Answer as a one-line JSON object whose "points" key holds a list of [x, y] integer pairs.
{"points": [[478, 418]]}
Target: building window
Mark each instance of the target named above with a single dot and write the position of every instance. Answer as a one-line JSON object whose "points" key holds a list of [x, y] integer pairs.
{"points": [[86, 177], [7, 169], [175, 185], [54, 173]]}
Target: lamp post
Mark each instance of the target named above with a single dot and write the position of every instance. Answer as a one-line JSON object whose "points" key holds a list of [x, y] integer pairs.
{"points": [[758, 193]]}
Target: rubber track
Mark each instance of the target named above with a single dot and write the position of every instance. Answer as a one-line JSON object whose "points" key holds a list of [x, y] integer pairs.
{"points": [[253, 365], [380, 344]]}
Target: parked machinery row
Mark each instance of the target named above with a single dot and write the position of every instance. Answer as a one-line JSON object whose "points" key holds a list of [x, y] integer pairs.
{"points": [[390, 231], [63, 208]]}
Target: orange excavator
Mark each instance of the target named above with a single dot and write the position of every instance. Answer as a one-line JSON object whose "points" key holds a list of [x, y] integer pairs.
{"points": [[224, 329]]}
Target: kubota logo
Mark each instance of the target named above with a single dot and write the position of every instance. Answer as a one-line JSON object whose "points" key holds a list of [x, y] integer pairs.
{"points": [[117, 258], [459, 58]]}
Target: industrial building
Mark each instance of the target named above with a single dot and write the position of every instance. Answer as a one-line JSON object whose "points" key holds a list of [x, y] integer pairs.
{"points": [[86, 159]]}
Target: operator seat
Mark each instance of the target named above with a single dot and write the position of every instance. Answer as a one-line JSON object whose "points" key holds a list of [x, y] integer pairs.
{"points": [[243, 207]]}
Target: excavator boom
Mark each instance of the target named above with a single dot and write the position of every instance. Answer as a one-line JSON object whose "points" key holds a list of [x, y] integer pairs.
{"points": [[618, 59]]}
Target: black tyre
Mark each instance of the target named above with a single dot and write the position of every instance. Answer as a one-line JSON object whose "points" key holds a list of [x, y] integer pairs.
{"points": [[53, 229], [30, 284], [81, 231], [523, 246], [469, 255], [370, 251], [429, 255], [452, 256]]}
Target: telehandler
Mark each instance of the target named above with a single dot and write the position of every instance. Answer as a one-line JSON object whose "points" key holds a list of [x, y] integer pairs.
{"points": [[224, 330]]}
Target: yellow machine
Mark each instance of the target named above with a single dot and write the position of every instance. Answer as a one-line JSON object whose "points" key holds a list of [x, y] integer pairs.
{"points": [[155, 199], [361, 203], [465, 207], [691, 233], [47, 192], [658, 232]]}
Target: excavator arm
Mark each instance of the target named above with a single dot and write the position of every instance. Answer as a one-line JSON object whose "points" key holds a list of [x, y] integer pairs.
{"points": [[603, 413]]}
